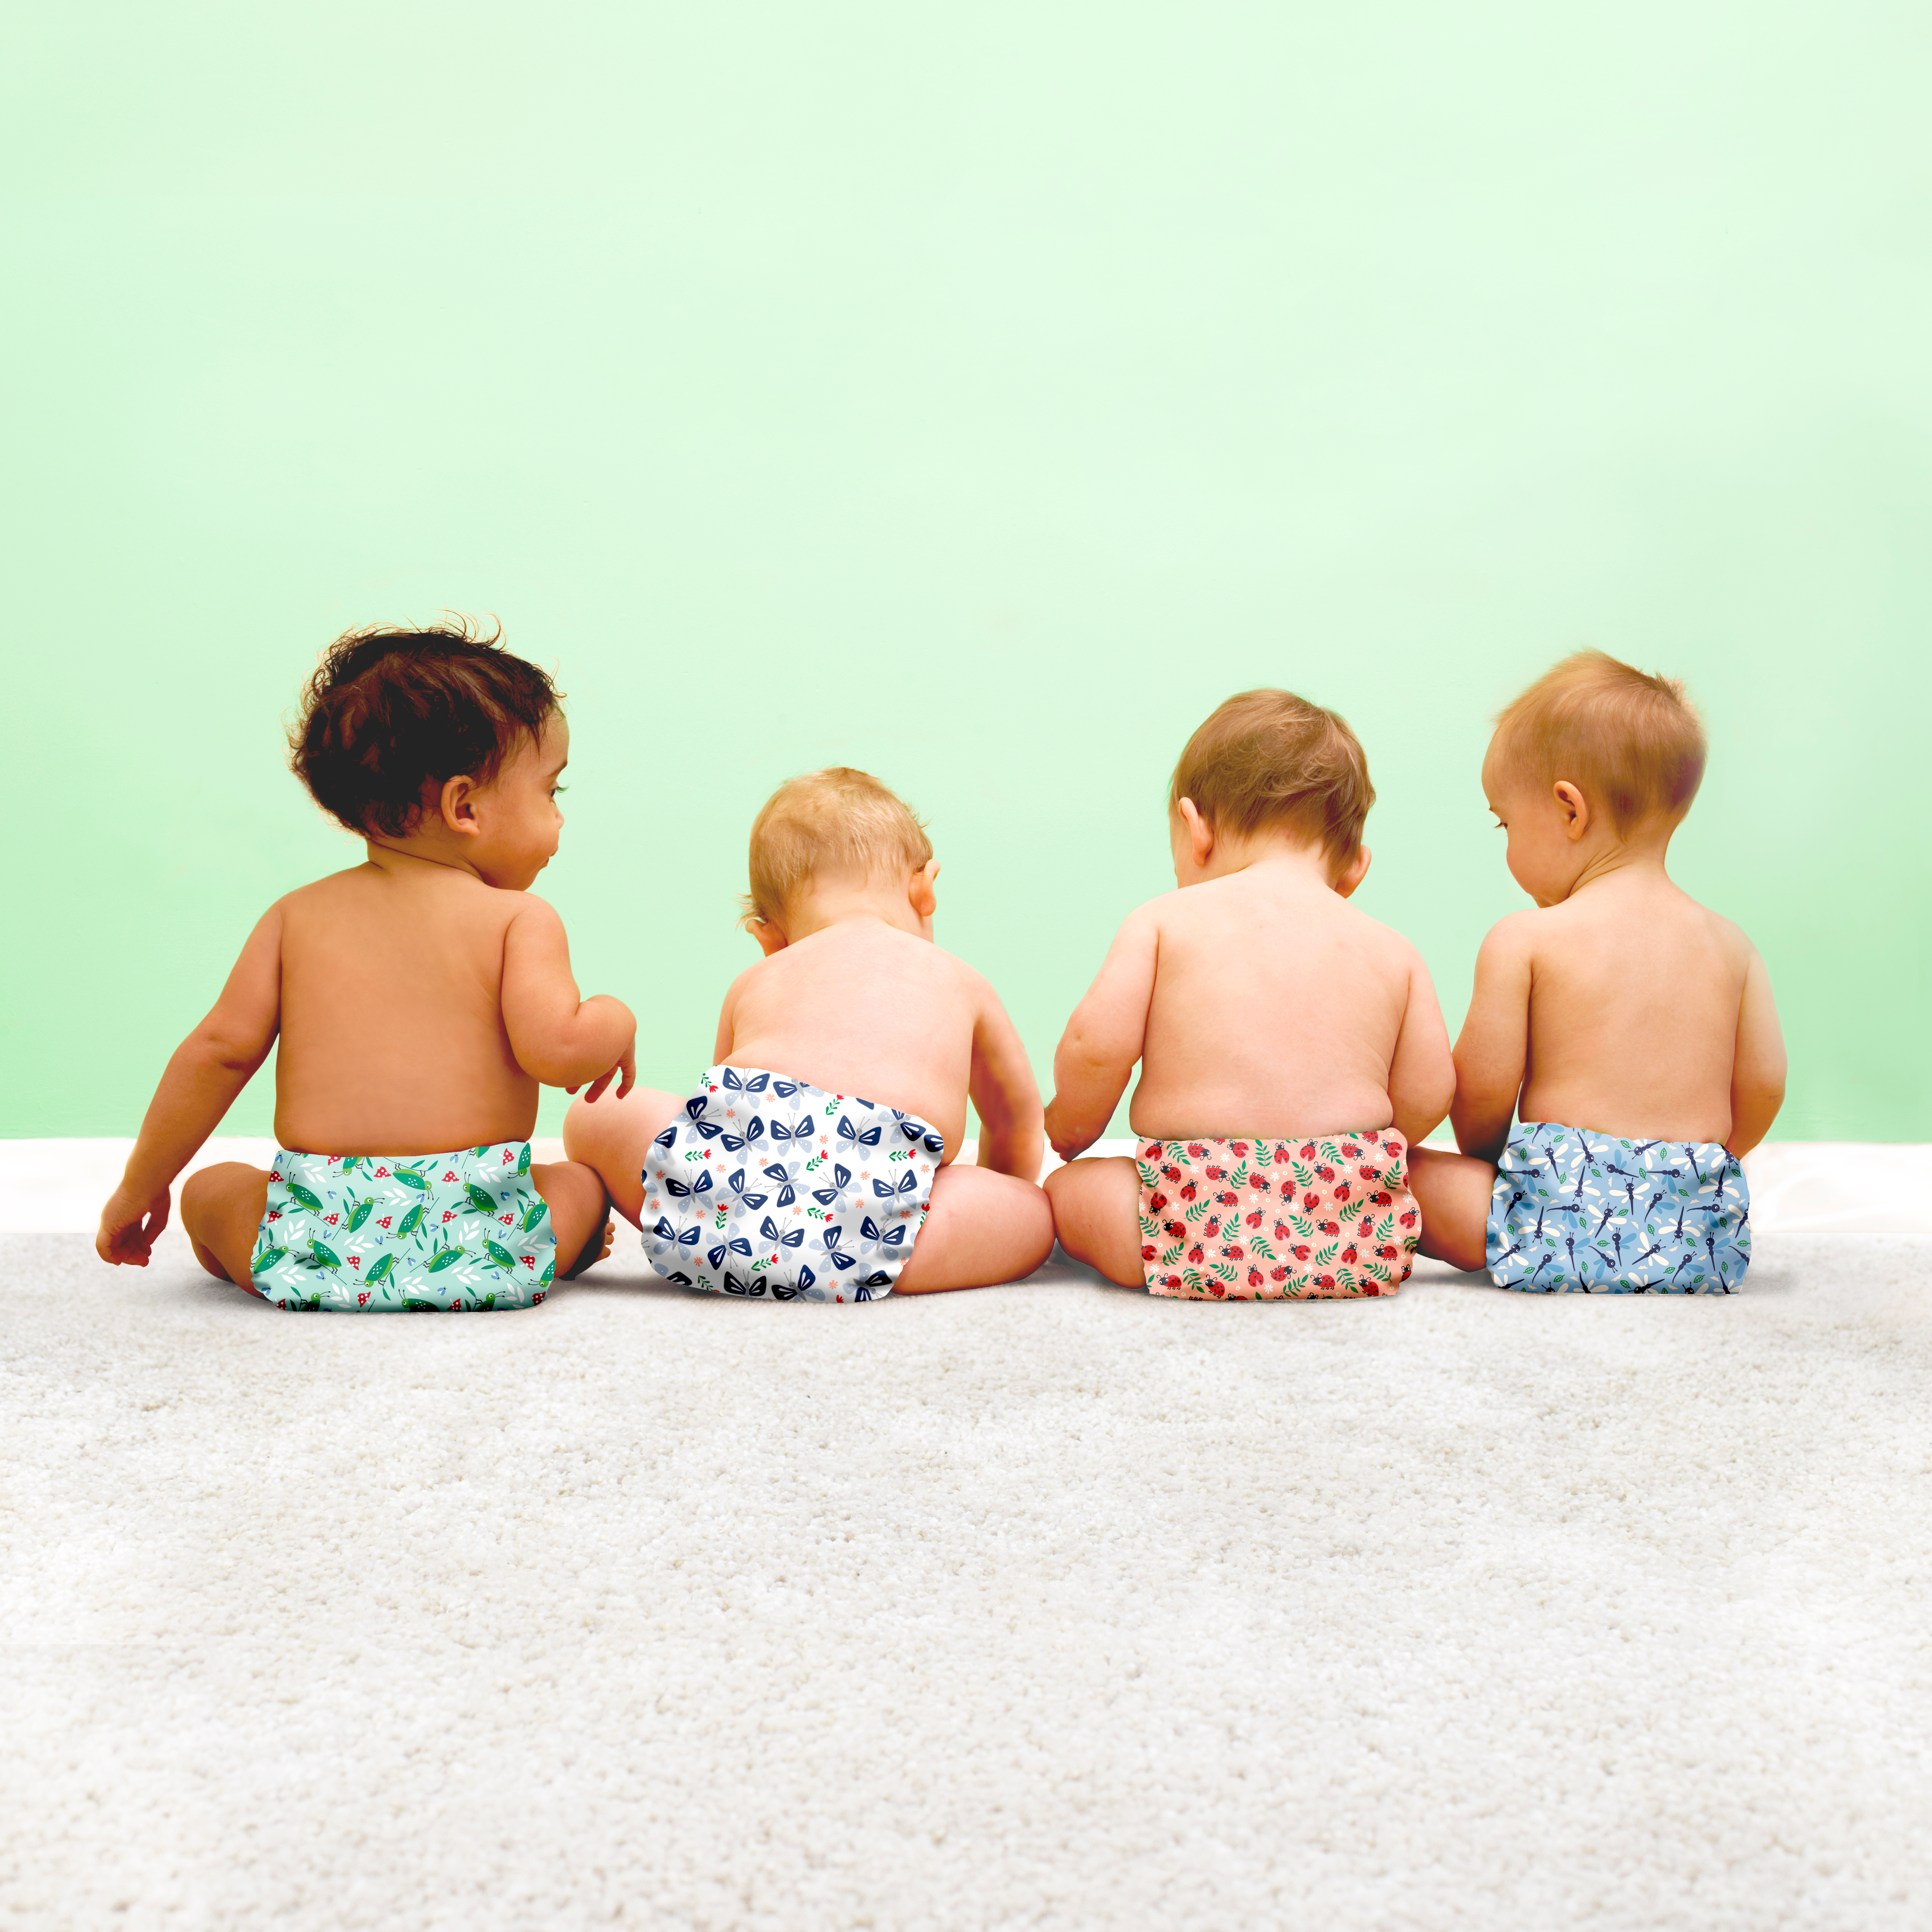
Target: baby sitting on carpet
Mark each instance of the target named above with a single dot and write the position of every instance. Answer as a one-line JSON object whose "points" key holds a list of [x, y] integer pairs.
{"points": [[1291, 1048], [771, 1179], [1638, 1028], [419, 997]]}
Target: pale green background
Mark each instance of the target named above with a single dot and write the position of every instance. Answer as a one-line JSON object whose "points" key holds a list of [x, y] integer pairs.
{"points": [[977, 394]]}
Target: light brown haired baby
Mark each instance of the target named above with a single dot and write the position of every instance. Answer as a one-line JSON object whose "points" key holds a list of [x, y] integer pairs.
{"points": [[1291, 1048]]}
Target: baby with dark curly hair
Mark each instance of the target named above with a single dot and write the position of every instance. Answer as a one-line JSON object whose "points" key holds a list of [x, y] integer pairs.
{"points": [[420, 999]]}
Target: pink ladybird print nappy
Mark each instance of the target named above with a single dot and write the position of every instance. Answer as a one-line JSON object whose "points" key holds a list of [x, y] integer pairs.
{"points": [[1262, 1220]]}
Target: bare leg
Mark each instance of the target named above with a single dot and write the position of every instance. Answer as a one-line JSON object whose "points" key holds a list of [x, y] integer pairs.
{"points": [[580, 1216], [611, 1136], [981, 1227], [1097, 1214], [1453, 1191], [221, 1210]]}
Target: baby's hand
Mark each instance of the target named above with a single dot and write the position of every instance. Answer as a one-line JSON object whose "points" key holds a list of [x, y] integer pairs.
{"points": [[1061, 1138], [128, 1226], [627, 1067]]}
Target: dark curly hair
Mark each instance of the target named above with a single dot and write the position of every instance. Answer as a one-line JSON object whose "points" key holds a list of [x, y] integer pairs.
{"points": [[391, 715]]}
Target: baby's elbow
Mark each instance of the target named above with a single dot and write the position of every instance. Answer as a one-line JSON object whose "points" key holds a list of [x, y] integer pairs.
{"points": [[228, 1051]]}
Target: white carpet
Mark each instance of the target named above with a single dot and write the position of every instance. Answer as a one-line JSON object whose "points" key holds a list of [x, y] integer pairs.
{"points": [[1052, 1606]]}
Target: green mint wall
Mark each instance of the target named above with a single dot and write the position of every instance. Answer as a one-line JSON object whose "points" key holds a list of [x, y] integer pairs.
{"points": [[976, 395]]}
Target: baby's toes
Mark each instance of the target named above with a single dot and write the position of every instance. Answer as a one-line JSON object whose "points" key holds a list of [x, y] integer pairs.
{"points": [[610, 1235]]}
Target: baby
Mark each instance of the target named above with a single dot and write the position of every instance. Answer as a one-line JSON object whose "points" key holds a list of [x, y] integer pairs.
{"points": [[420, 998], [773, 1179], [1637, 1028], [1291, 1048]]}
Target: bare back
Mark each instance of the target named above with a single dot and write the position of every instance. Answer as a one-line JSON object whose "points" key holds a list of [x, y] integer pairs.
{"points": [[393, 1039], [1635, 992], [1276, 1009], [862, 1008]]}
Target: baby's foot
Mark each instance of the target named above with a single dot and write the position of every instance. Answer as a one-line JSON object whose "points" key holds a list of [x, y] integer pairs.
{"points": [[594, 1251]]}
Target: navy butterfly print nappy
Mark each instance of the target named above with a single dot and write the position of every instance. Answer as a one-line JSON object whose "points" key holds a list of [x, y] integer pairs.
{"points": [[768, 1186]]}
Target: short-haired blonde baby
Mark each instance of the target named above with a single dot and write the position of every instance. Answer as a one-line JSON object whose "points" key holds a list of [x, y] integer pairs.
{"points": [[1628, 1031], [839, 820], [775, 1178]]}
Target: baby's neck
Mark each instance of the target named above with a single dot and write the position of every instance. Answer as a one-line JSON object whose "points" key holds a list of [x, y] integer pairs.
{"points": [[411, 851], [1630, 866], [1275, 860], [820, 910]]}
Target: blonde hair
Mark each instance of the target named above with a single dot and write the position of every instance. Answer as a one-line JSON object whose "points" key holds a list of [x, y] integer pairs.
{"points": [[1270, 758], [835, 819], [1632, 741]]}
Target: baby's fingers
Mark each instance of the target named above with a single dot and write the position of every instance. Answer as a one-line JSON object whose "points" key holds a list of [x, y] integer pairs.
{"points": [[597, 1086], [628, 1067]]}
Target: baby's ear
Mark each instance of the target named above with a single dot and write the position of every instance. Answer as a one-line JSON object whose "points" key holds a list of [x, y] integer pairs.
{"points": [[771, 939], [920, 893], [1352, 874]]}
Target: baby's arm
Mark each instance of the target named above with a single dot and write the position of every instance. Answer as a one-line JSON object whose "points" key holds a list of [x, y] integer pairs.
{"points": [[1005, 1094], [558, 1037], [1492, 1050], [207, 1070], [1422, 1074], [1757, 1069], [1095, 1059]]}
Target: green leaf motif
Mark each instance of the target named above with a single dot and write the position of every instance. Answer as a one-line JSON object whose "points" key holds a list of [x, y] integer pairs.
{"points": [[534, 1213], [326, 1257], [444, 1258], [267, 1259], [484, 1203], [359, 1213], [300, 1193], [1300, 1224], [412, 1220], [409, 1177], [1323, 1256], [382, 1271], [501, 1256]]}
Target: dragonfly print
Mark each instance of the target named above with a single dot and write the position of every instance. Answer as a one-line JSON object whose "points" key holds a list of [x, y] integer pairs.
{"points": [[1574, 1211]]}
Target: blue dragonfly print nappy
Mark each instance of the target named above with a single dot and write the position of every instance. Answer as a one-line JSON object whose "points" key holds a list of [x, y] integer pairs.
{"points": [[373, 1235], [1572, 1210], [768, 1186]]}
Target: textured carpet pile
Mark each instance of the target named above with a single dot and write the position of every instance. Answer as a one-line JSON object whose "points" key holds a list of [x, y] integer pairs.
{"points": [[1046, 1606]]}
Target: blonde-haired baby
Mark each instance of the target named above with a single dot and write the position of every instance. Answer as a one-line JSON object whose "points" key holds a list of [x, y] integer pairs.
{"points": [[775, 1178], [1629, 1031], [1290, 1048]]}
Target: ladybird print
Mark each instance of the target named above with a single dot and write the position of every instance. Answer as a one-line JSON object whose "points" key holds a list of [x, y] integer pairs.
{"points": [[1220, 1220]]}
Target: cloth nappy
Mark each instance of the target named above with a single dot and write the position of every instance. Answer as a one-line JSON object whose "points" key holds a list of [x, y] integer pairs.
{"points": [[767, 1185], [366, 1233], [1270, 1220], [1577, 1211]]}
